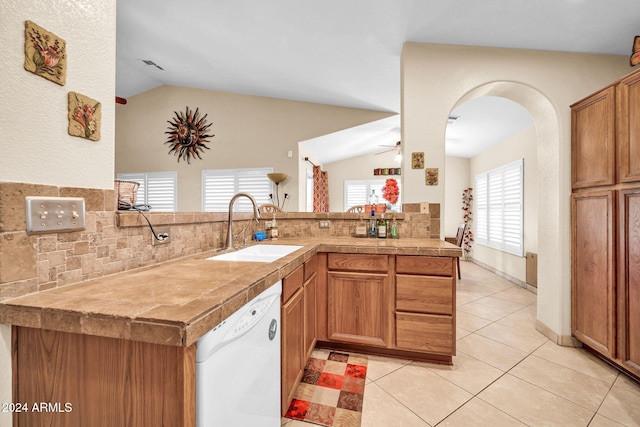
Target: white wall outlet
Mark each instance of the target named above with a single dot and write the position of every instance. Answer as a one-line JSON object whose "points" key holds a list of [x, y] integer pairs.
{"points": [[163, 236], [324, 224], [54, 214]]}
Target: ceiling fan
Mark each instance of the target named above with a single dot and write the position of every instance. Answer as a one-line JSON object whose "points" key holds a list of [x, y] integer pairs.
{"points": [[393, 147]]}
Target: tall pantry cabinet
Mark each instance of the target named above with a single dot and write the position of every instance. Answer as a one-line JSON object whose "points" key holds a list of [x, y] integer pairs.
{"points": [[605, 222]]}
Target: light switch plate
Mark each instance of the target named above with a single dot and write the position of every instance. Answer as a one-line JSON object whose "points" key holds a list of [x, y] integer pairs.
{"points": [[54, 214]]}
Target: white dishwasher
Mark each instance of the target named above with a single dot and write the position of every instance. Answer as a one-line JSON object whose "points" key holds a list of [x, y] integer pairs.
{"points": [[238, 367]]}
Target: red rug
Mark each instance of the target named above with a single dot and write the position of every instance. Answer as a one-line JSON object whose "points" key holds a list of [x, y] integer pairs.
{"points": [[331, 391]]}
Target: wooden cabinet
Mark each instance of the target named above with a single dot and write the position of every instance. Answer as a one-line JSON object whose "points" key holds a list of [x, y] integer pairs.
{"points": [[425, 302], [298, 323], [628, 128], [593, 266], [605, 225], [107, 381], [629, 280], [396, 305], [358, 299], [293, 356], [357, 308], [310, 308], [593, 140]]}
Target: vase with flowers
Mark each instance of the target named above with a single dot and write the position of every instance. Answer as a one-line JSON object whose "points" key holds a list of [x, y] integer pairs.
{"points": [[390, 191]]}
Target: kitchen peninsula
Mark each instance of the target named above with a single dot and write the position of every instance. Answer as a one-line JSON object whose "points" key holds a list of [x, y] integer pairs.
{"points": [[121, 348]]}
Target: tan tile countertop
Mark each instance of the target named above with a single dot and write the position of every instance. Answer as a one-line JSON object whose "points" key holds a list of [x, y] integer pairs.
{"points": [[177, 302]]}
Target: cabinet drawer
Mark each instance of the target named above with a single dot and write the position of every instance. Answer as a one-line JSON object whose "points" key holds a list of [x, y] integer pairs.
{"points": [[292, 283], [425, 332], [310, 267], [424, 294], [432, 266], [358, 262]]}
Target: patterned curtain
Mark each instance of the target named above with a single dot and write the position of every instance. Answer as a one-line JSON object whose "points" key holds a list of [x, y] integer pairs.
{"points": [[320, 190]]}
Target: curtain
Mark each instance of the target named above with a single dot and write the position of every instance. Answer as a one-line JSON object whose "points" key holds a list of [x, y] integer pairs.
{"points": [[320, 190]]}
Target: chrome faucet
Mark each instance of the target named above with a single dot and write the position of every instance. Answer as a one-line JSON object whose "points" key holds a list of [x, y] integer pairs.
{"points": [[256, 215]]}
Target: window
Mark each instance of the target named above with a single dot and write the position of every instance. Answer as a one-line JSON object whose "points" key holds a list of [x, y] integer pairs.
{"points": [[220, 185], [499, 208], [159, 190], [357, 192]]}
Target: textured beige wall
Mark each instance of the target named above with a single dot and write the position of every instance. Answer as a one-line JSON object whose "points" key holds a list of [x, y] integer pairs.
{"points": [[250, 131], [456, 179], [36, 147], [437, 77], [33, 113]]}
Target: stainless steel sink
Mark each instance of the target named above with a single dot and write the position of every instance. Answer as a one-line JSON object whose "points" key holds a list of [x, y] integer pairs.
{"points": [[257, 253]]}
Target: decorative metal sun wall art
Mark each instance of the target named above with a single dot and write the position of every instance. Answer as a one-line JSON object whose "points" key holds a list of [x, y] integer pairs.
{"points": [[188, 134]]}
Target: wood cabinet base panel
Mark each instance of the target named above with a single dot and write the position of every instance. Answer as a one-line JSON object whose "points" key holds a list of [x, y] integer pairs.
{"points": [[107, 381]]}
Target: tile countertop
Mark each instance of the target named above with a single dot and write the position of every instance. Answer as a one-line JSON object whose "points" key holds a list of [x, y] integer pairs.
{"points": [[177, 302]]}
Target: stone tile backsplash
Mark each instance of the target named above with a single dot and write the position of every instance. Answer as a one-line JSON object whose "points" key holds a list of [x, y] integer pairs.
{"points": [[116, 241]]}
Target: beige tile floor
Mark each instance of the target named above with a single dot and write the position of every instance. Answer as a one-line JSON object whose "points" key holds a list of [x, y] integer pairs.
{"points": [[505, 373]]}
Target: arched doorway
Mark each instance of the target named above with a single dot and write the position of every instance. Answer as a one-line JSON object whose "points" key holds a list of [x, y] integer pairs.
{"points": [[554, 278]]}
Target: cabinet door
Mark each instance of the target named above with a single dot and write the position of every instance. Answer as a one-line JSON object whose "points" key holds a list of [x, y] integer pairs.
{"points": [[593, 140], [629, 280], [358, 308], [293, 356], [310, 314], [628, 127], [593, 278]]}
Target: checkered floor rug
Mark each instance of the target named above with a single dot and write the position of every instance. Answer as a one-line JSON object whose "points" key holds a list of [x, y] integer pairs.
{"points": [[331, 391]]}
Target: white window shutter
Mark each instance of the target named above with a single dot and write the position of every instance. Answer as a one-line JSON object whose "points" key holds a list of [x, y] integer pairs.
{"points": [[159, 190], [220, 185], [500, 208], [481, 219]]}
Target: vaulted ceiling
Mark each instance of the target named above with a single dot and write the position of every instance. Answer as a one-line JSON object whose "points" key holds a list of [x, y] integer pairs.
{"points": [[339, 52]]}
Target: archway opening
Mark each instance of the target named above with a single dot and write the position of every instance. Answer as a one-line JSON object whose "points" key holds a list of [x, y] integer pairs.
{"points": [[552, 224]]}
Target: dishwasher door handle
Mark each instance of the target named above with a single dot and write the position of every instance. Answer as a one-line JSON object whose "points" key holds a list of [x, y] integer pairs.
{"points": [[273, 328]]}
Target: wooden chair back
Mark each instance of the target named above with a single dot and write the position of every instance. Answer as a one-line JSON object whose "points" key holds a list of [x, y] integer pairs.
{"points": [[459, 238], [269, 208], [460, 235], [356, 209]]}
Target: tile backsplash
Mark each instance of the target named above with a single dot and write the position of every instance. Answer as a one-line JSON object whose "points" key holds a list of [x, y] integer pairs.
{"points": [[115, 241]]}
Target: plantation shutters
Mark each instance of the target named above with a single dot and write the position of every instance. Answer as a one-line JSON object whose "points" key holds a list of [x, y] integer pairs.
{"points": [[220, 185], [159, 190], [500, 208]]}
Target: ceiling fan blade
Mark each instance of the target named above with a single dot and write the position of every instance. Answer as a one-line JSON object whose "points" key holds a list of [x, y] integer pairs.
{"points": [[396, 145], [384, 151]]}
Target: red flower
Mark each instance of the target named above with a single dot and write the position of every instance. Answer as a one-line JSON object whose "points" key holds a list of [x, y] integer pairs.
{"points": [[78, 116], [88, 112], [390, 191], [51, 57]]}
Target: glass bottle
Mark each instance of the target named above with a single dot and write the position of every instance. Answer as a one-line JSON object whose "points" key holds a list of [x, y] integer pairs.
{"points": [[382, 227], [373, 200], [373, 225], [394, 228], [273, 231]]}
